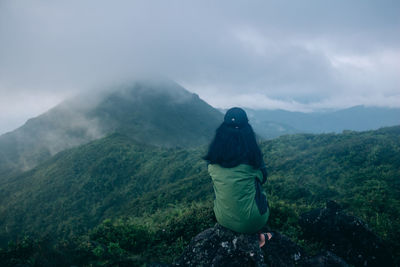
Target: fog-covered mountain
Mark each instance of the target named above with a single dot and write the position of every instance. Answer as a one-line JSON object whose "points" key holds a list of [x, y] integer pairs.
{"points": [[157, 112], [273, 123]]}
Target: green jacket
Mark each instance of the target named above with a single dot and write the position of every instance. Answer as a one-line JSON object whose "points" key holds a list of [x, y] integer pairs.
{"points": [[240, 202]]}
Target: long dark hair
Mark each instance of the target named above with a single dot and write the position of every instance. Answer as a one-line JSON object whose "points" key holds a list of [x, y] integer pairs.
{"points": [[234, 144]]}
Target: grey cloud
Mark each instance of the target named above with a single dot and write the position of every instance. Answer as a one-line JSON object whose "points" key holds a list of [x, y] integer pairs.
{"points": [[301, 52]]}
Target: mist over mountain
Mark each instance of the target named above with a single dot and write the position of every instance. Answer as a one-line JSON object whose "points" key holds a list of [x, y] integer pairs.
{"points": [[157, 112], [273, 123]]}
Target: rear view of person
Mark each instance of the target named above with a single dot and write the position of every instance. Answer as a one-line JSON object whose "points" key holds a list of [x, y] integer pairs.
{"points": [[238, 170]]}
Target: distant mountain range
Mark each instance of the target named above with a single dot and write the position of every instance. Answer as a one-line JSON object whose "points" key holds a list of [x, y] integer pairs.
{"points": [[157, 112], [162, 113], [273, 123]]}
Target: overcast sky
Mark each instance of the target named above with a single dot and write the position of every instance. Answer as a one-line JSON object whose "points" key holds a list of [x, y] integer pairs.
{"points": [[294, 55]]}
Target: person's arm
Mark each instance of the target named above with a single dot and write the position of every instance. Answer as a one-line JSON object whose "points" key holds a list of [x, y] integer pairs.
{"points": [[263, 169]]}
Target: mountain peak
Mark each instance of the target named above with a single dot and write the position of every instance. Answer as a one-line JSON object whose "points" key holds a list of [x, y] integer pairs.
{"points": [[153, 111]]}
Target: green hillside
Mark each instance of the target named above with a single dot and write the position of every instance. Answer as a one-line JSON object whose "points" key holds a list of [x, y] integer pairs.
{"points": [[148, 193], [157, 112], [80, 187]]}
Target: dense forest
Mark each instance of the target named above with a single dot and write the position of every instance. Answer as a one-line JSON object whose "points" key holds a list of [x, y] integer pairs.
{"points": [[117, 201]]}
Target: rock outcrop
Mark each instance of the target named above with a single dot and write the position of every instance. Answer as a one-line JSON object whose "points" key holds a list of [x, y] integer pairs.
{"points": [[281, 251], [346, 236], [219, 246]]}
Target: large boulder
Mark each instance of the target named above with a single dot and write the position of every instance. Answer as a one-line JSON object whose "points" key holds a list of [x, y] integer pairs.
{"points": [[346, 236], [325, 259], [219, 246], [280, 251], [347, 239]]}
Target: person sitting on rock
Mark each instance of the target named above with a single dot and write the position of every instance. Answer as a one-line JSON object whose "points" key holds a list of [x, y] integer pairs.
{"points": [[237, 169]]}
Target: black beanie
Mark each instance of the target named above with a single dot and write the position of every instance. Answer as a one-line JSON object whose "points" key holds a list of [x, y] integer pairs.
{"points": [[236, 117]]}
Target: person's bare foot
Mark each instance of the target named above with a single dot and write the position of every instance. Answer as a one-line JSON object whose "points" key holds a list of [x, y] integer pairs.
{"points": [[262, 238]]}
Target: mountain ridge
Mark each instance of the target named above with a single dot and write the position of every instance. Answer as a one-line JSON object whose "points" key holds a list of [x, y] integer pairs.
{"points": [[158, 112], [273, 123]]}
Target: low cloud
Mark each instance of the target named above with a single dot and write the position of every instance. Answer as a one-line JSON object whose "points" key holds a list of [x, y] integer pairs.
{"points": [[273, 54]]}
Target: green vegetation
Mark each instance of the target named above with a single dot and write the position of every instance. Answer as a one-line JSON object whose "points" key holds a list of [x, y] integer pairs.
{"points": [[115, 201], [159, 237], [114, 176]]}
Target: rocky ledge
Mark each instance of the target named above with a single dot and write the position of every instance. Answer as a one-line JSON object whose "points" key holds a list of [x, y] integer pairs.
{"points": [[346, 239], [346, 236]]}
